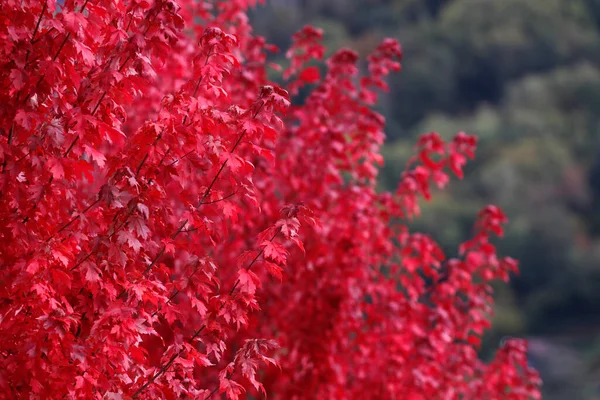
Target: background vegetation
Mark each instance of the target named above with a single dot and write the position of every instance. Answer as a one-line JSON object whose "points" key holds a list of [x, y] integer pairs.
{"points": [[525, 76]]}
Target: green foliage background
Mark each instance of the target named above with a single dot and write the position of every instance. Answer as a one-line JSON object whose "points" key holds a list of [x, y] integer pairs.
{"points": [[524, 75]]}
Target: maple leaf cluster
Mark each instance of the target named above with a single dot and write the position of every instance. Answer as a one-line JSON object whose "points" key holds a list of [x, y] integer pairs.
{"points": [[172, 227]]}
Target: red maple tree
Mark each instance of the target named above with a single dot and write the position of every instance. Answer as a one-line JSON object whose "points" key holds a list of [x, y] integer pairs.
{"points": [[173, 228]]}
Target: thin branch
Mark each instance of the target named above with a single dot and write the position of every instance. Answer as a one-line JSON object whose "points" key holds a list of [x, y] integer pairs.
{"points": [[156, 375], [177, 291], [98, 103], [71, 146], [115, 230], [238, 141], [10, 134], [212, 393], [139, 168], [252, 263], [82, 261], [75, 218], [124, 63], [58, 51], [37, 26], [105, 92], [129, 23], [162, 160], [44, 34], [158, 256], [152, 21], [207, 192], [181, 158], [167, 365], [222, 199], [83, 7], [24, 156]]}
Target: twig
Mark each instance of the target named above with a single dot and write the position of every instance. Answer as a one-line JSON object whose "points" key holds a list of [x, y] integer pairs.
{"points": [[37, 26]]}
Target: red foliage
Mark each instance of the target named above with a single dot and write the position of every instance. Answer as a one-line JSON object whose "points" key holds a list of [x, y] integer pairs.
{"points": [[153, 181]]}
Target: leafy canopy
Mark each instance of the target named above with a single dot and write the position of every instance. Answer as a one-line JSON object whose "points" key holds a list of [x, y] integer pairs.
{"points": [[154, 182]]}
